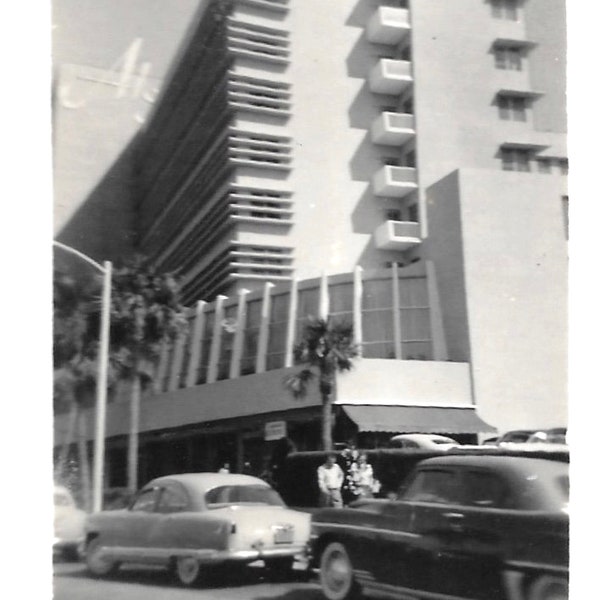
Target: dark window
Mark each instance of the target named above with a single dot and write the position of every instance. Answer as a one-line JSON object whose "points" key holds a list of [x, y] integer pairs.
{"points": [[433, 485], [564, 166], [173, 499], [413, 213], [410, 159], [504, 9], [405, 53], [242, 494], [565, 210], [512, 108], [508, 57], [145, 501], [407, 106], [544, 165], [393, 215], [515, 159], [392, 161], [485, 489]]}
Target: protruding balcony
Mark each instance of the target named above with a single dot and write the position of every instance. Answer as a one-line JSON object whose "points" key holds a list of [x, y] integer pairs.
{"points": [[393, 129], [397, 235], [388, 25], [390, 76], [395, 182]]}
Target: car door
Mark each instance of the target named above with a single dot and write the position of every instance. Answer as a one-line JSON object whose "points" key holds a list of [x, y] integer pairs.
{"points": [[489, 522], [139, 520], [433, 532], [167, 531]]}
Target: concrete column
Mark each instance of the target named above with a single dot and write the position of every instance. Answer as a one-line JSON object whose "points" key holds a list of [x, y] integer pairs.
{"points": [[176, 362], [195, 345], [357, 309], [161, 370], [238, 340], [263, 333], [438, 336], [291, 324], [396, 313], [215, 347], [323, 298]]}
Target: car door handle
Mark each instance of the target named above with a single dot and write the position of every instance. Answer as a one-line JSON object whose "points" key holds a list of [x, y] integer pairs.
{"points": [[455, 520]]}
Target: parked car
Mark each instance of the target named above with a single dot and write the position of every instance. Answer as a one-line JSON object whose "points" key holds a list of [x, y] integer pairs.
{"points": [[473, 526], [68, 524], [424, 441], [192, 520], [517, 436]]}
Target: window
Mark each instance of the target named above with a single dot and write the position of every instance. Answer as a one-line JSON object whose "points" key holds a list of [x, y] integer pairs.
{"points": [[405, 53], [172, 499], [512, 108], [508, 57], [564, 166], [242, 494], [544, 165], [407, 106], [413, 213], [504, 9], [391, 161], [515, 159], [485, 489], [438, 486], [410, 159], [393, 215], [145, 500], [565, 211]]}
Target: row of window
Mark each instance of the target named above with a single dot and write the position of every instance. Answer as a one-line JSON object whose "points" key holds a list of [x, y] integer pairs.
{"points": [[521, 159]]}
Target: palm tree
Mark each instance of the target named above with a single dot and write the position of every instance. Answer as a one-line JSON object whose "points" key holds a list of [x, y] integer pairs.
{"points": [[328, 348], [75, 350], [145, 313]]}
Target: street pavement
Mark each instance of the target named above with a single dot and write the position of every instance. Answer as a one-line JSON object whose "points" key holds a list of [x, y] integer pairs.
{"points": [[72, 582]]}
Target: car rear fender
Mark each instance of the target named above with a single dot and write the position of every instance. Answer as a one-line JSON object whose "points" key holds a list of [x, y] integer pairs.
{"points": [[193, 530]]}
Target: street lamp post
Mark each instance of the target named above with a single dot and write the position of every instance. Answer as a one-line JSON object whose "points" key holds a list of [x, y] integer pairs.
{"points": [[102, 377]]}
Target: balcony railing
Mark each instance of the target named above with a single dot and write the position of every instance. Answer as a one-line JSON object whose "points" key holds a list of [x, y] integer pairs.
{"points": [[397, 235], [393, 129], [395, 182], [390, 76], [388, 25]]}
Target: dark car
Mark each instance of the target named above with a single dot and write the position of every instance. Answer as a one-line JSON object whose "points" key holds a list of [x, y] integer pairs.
{"points": [[476, 527]]}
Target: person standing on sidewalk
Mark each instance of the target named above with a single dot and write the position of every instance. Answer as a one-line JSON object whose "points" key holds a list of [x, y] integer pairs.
{"points": [[330, 478]]}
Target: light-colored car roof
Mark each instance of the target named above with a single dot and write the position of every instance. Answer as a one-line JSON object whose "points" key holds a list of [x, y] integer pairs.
{"points": [[197, 484], [423, 437]]}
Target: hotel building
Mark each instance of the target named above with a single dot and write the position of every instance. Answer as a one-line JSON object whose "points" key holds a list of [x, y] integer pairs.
{"points": [[400, 165]]}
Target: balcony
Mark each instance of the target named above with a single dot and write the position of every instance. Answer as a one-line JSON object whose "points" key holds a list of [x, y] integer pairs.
{"points": [[395, 182], [392, 129], [390, 76], [397, 235], [388, 25]]}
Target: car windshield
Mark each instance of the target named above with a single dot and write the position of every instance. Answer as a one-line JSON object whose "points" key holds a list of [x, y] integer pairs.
{"points": [[242, 494]]}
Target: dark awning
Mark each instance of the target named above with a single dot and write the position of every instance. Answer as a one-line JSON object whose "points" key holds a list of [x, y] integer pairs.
{"points": [[413, 419]]}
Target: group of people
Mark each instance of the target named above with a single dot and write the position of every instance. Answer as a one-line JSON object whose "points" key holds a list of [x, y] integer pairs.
{"points": [[340, 485]]}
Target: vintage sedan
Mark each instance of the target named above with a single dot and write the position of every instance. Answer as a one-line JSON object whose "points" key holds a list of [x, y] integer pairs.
{"points": [[68, 525], [192, 520], [468, 527]]}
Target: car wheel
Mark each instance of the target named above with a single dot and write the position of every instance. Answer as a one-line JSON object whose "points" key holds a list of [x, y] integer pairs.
{"points": [[188, 570], [98, 564], [548, 588], [279, 568], [337, 576]]}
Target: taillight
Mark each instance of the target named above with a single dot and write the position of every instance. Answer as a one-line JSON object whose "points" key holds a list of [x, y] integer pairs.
{"points": [[233, 528]]}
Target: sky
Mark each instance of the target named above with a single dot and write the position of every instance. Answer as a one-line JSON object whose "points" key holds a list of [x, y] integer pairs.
{"points": [[97, 32]]}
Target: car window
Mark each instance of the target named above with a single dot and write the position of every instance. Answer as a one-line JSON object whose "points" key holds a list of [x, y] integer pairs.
{"points": [[173, 499], [485, 489], [243, 494], [145, 500], [433, 485]]}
